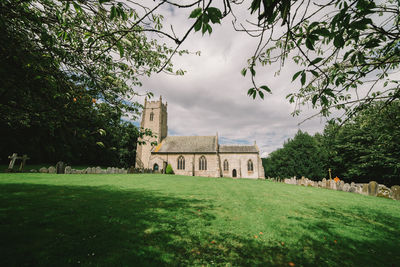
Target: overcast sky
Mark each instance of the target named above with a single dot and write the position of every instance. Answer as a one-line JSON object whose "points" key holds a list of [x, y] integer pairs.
{"points": [[212, 96]]}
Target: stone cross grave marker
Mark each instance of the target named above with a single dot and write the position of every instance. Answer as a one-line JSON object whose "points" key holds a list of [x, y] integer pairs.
{"points": [[14, 157]]}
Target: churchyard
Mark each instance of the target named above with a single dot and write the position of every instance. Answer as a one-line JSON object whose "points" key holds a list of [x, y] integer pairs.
{"points": [[155, 220]]}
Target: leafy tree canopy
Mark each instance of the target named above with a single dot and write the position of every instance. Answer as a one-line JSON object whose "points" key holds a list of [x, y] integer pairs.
{"points": [[346, 50]]}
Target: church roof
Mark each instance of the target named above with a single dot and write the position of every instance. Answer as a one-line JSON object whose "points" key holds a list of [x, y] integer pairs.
{"points": [[187, 144], [238, 149]]}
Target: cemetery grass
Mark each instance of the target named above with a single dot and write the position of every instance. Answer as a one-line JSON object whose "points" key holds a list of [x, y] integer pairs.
{"points": [[156, 220]]}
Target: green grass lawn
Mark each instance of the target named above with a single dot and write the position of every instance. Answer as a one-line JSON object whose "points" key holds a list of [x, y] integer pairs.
{"points": [[127, 220]]}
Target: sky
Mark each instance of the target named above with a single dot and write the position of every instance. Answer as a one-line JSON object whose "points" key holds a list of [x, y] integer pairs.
{"points": [[212, 95]]}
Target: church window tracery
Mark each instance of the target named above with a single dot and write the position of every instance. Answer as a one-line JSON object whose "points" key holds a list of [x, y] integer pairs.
{"points": [[202, 163], [181, 163], [226, 165], [250, 167]]}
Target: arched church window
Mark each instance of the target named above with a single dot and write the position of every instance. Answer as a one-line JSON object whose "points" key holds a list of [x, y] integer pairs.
{"points": [[250, 167], [181, 163], [202, 163], [151, 116], [226, 165]]}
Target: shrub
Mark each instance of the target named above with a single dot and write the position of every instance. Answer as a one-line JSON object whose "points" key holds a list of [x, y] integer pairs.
{"points": [[169, 169]]}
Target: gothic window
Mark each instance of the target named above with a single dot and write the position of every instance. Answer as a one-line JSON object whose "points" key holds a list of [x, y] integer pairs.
{"points": [[202, 163], [226, 165], [151, 116], [250, 166], [181, 163]]}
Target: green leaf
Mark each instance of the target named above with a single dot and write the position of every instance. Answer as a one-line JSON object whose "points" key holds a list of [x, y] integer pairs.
{"points": [[214, 14], [316, 74], [100, 144], [209, 29], [197, 25], [322, 32], [195, 13], [121, 49], [253, 72], [244, 71], [204, 28], [266, 88], [303, 78], [314, 99], [296, 75], [338, 42], [261, 94], [310, 44], [317, 60], [113, 12]]}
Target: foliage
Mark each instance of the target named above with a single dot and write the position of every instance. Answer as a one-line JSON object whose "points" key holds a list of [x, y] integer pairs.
{"points": [[367, 147], [301, 156], [190, 221], [346, 50], [169, 169], [69, 72]]}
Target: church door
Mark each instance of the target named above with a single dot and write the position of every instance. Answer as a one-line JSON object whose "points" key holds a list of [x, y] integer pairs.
{"points": [[155, 167], [234, 173]]}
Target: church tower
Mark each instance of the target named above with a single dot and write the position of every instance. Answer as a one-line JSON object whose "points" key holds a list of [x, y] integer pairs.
{"points": [[154, 117]]}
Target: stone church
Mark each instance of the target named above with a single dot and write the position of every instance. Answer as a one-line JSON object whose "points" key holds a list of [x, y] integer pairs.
{"points": [[193, 155]]}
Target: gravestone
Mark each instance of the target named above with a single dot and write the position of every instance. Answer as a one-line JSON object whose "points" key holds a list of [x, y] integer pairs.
{"points": [[93, 170], [12, 158], [346, 187], [52, 169], [365, 189], [88, 170], [395, 192], [43, 170], [97, 170], [373, 188], [108, 170], [60, 167], [67, 170], [323, 183], [352, 188]]}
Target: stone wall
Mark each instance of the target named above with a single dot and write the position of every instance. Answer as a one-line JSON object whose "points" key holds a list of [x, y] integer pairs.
{"points": [[89, 170], [370, 189]]}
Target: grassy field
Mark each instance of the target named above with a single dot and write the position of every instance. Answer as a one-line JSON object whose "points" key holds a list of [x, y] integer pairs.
{"points": [[128, 220]]}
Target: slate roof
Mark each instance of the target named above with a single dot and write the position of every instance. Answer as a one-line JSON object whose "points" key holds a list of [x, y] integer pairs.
{"points": [[187, 144], [237, 149]]}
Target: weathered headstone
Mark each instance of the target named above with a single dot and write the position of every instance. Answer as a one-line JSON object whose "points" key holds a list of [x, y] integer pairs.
{"points": [[52, 169], [67, 170], [60, 167], [341, 185], [395, 192], [88, 170], [108, 170], [125, 171], [33, 170], [43, 170], [365, 189], [93, 170], [383, 191], [373, 188], [346, 187], [98, 170], [352, 188]]}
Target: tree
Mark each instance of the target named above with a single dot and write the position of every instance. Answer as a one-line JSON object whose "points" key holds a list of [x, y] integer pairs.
{"points": [[69, 70], [301, 156], [347, 50], [366, 147]]}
